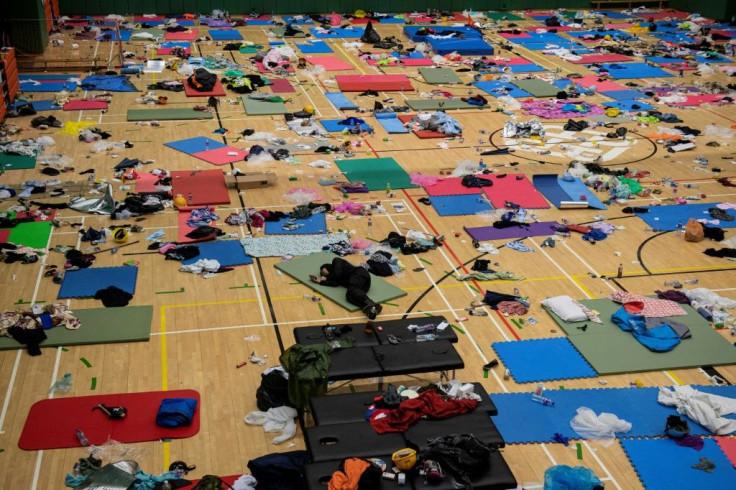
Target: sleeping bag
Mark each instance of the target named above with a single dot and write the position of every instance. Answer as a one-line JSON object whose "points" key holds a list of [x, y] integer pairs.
{"points": [[176, 412]]}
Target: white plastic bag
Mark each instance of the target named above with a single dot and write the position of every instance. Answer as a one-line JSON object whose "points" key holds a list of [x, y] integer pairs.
{"points": [[601, 427]]}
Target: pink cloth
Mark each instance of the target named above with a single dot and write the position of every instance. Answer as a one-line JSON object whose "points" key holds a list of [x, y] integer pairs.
{"points": [[653, 307], [552, 109]]}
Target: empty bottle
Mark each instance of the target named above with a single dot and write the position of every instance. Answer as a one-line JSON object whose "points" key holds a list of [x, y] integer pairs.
{"points": [[543, 400], [427, 337], [422, 328], [63, 385]]}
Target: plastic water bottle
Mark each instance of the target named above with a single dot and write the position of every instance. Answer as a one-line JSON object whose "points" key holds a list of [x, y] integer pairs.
{"points": [[543, 400], [422, 328], [427, 337], [63, 385]]}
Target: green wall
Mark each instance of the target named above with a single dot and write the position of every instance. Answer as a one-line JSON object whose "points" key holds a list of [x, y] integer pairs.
{"points": [[25, 34], [715, 8], [103, 7]]}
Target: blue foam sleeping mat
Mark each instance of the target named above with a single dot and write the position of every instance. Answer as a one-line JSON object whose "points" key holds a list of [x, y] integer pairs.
{"points": [[40, 105], [661, 464], [337, 32], [334, 126], [629, 105], [460, 205], [315, 224], [540, 422], [225, 35], [227, 252], [340, 101], [543, 360], [84, 283], [195, 145], [314, 47], [391, 123], [620, 71], [491, 87], [469, 32], [666, 218], [624, 94]]}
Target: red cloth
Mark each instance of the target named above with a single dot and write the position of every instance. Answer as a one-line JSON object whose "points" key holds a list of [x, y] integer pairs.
{"points": [[428, 403]]}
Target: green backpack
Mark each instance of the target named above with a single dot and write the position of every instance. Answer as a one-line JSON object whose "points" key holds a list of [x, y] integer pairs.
{"points": [[211, 482]]}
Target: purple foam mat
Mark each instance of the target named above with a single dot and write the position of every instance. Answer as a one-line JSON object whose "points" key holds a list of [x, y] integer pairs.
{"points": [[483, 233]]}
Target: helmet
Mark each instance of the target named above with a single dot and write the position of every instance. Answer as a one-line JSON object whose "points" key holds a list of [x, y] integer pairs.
{"points": [[309, 109], [404, 459], [179, 201], [120, 235]]}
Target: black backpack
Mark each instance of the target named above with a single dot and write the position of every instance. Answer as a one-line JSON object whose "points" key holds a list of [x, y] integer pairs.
{"points": [[202, 80], [273, 391], [211, 482], [462, 456]]}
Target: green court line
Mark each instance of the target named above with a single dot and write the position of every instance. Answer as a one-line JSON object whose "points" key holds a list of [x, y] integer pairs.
{"points": [[21, 302], [244, 286], [390, 304], [85, 362], [471, 287], [371, 239], [580, 450], [170, 292], [64, 349], [293, 283], [518, 325], [94, 383], [460, 330], [485, 374], [321, 309], [352, 387], [427, 314], [425, 261]]}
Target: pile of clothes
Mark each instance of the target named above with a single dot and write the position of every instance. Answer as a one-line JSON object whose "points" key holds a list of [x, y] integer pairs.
{"points": [[438, 122], [28, 326]]}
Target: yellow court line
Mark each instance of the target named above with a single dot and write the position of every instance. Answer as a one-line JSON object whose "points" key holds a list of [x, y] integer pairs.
{"points": [[677, 380], [357, 65]]}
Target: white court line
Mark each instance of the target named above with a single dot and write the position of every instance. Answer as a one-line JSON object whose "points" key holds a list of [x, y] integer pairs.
{"points": [[559, 267], [590, 268], [549, 455], [600, 463], [467, 288], [11, 383]]}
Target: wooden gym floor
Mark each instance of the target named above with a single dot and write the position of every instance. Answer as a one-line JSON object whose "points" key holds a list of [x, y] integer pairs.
{"points": [[198, 335]]}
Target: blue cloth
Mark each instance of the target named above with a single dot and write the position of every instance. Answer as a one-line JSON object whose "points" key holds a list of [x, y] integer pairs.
{"points": [[176, 412], [663, 465], [40, 105], [658, 339], [108, 83], [292, 19], [446, 124], [595, 236], [460, 205], [638, 406], [543, 360]]}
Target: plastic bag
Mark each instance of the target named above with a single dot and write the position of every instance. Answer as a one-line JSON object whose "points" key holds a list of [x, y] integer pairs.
{"points": [[694, 231], [565, 477], [601, 427], [712, 130]]}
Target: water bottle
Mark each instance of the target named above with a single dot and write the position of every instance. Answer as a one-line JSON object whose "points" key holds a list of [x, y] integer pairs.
{"points": [[705, 314], [422, 328], [427, 337], [543, 400], [63, 385]]}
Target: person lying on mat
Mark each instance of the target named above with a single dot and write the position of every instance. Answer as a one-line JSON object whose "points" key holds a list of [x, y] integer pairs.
{"points": [[357, 280]]}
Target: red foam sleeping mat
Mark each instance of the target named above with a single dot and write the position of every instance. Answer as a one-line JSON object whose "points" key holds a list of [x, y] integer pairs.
{"points": [[280, 86], [517, 190], [601, 58], [217, 91], [171, 50], [82, 105], [184, 228], [451, 187], [145, 181], [361, 83], [423, 134], [330, 63], [205, 186], [603, 86], [51, 424], [263, 69], [190, 35], [406, 62], [222, 156]]}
